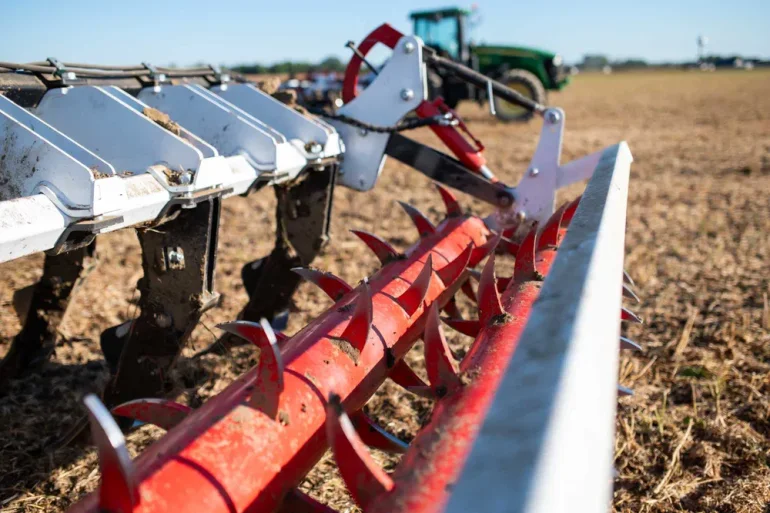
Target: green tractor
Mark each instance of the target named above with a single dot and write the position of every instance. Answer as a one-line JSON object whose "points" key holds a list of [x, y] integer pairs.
{"points": [[529, 71]]}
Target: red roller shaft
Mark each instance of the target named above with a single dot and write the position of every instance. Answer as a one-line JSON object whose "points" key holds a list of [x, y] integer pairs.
{"points": [[229, 457], [423, 480]]}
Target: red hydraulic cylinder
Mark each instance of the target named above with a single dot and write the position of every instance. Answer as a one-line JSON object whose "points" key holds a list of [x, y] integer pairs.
{"points": [[230, 456]]}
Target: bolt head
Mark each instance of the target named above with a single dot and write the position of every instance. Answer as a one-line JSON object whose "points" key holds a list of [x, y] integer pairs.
{"points": [[70, 75], [552, 116], [313, 147], [407, 95], [533, 171], [363, 132], [185, 178], [521, 216], [409, 47], [163, 320]]}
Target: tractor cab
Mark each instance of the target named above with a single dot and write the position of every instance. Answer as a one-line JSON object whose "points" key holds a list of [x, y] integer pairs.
{"points": [[529, 71], [444, 30]]}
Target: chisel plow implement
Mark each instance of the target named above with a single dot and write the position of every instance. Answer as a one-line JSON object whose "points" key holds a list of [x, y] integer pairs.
{"points": [[91, 149]]}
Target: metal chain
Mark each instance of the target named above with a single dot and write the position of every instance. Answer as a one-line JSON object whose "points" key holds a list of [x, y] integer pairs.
{"points": [[409, 124]]}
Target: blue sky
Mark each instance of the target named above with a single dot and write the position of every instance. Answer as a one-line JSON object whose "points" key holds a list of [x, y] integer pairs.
{"points": [[235, 31]]}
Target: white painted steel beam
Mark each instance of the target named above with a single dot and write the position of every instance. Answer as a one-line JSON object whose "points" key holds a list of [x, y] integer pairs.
{"points": [[546, 445]]}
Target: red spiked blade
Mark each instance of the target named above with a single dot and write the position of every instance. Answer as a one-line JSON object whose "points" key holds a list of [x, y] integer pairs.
{"points": [[438, 359], [250, 331], [628, 315], [360, 324], [364, 478], [412, 298], [333, 286], [423, 225], [384, 252], [403, 375], [158, 412], [465, 326], [374, 436], [524, 268], [549, 236], [270, 374], [453, 208], [452, 310], [489, 299], [117, 491], [454, 269]]}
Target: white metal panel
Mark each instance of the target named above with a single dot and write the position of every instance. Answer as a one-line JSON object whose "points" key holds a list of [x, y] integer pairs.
{"points": [[244, 175], [29, 225], [547, 442], [56, 138], [146, 200], [536, 192], [230, 133], [212, 171], [284, 119], [30, 161], [398, 89], [96, 118]]}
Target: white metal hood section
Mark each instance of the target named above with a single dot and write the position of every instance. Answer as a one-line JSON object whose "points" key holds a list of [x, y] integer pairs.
{"points": [[37, 158], [234, 133], [313, 137], [111, 123]]}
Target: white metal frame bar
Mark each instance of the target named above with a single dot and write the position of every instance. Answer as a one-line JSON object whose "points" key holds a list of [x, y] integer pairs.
{"points": [[546, 444]]}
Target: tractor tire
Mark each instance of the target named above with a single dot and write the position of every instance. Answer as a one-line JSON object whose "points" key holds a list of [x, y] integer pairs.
{"points": [[525, 83]]}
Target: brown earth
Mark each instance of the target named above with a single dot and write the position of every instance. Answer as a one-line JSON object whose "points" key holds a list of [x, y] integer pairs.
{"points": [[695, 437]]}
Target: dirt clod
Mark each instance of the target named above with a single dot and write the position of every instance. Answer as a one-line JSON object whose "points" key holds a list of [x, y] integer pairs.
{"points": [[162, 119]]}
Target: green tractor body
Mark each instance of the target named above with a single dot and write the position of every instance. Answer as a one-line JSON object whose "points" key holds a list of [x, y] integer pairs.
{"points": [[529, 71]]}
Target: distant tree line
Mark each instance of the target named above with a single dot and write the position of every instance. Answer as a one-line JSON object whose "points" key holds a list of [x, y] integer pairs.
{"points": [[599, 62], [329, 64]]}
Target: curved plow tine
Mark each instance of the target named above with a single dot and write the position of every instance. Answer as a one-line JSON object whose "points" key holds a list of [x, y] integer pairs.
{"points": [[158, 412], [375, 436], [299, 502], [630, 294], [250, 331], [117, 491], [270, 381], [382, 250], [454, 269], [413, 297], [359, 325], [438, 359], [467, 289], [468, 327], [333, 286], [628, 315], [364, 478], [403, 375], [489, 299], [451, 309], [524, 267], [626, 343], [549, 236], [453, 208], [509, 246], [478, 254], [569, 212], [624, 391], [502, 284], [627, 278], [423, 225]]}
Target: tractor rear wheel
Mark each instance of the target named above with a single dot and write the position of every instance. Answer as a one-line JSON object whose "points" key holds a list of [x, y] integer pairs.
{"points": [[522, 82]]}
